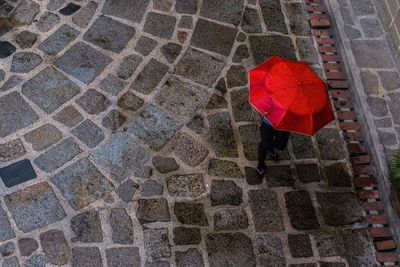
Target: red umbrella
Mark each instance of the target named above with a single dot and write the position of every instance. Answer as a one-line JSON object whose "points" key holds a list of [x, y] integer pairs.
{"points": [[290, 96]]}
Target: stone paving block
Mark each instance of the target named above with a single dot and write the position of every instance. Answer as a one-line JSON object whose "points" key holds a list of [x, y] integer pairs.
{"points": [[241, 53], [130, 101], [123, 256], [88, 133], [307, 50], [301, 211], [158, 263], [2, 75], [126, 190], [165, 164], [338, 175], [26, 39], [224, 168], [328, 244], [26, 12], [330, 144], [371, 27], [180, 97], [362, 7], [171, 51], [394, 105], [11, 262], [221, 85], [250, 21], [236, 76], [69, 116], [153, 210], [213, 37], [298, 23], [54, 5], [34, 207], [36, 261], [225, 192], [43, 137], [216, 102], [302, 146], [378, 106], [160, 25], [153, 127], [113, 120], [390, 80], [331, 264], [186, 6], [149, 77], [250, 138], [145, 45], [191, 257], [352, 32], [188, 185], [83, 62], [13, 81], [156, 243], [144, 172], [387, 139], [280, 46], [47, 21], [27, 246], [6, 24], [308, 173], [6, 49], [109, 34], [221, 135], [187, 236], [241, 108], [229, 11], [264, 204], [11, 150], [270, 250], [15, 114], [49, 89], [119, 156], [379, 55], [230, 249], [230, 219], [274, 20], [358, 247], [126, 9], [152, 188], [112, 84], [17, 173], [190, 151], [81, 183], [53, 44], [128, 66], [186, 22], [340, 208], [300, 245], [190, 213], [84, 15], [370, 82], [58, 155], [87, 227], [24, 62], [69, 9], [55, 246], [199, 67], [6, 231], [122, 226], [93, 102], [197, 124], [86, 257]]}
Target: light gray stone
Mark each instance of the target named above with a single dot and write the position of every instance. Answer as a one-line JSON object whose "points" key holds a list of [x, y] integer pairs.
{"points": [[47, 21], [377, 106], [24, 62], [126, 190], [230, 219], [150, 76], [386, 138], [84, 15], [43, 137], [86, 257], [122, 226], [189, 185], [53, 44], [156, 243], [26, 12], [11, 150], [371, 27], [390, 80], [36, 261], [123, 256], [379, 55], [88, 133], [190, 151]]}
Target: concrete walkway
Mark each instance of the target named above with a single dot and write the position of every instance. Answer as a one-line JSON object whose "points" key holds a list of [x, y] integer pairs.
{"points": [[129, 126]]}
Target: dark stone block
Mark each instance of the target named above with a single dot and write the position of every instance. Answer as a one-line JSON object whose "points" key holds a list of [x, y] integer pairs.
{"points": [[69, 9], [221, 135], [251, 21], [250, 139], [186, 6], [17, 173], [264, 47], [250, 176], [328, 244], [87, 227], [308, 173], [224, 192], [273, 17], [93, 102], [229, 11], [24, 62], [126, 9], [171, 51], [149, 77], [187, 236], [128, 66], [160, 25], [6, 49], [86, 257], [190, 257], [279, 176], [330, 144], [301, 211], [300, 246], [241, 53], [145, 45], [358, 247], [190, 213], [298, 21], [241, 108], [338, 175], [123, 256]]}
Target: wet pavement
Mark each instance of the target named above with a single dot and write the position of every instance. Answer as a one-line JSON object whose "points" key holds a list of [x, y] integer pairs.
{"points": [[134, 116]]}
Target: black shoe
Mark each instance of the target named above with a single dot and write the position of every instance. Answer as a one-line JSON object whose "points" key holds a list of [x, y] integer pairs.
{"points": [[274, 155], [259, 174]]}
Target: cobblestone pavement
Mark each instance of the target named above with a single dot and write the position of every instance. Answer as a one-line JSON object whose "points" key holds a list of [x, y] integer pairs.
{"points": [[134, 117]]}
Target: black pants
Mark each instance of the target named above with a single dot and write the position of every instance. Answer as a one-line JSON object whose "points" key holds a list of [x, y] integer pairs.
{"points": [[270, 139]]}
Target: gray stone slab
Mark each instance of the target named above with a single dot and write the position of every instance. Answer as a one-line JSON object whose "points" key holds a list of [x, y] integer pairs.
{"points": [[302, 146], [273, 17], [189, 185], [352, 32], [27, 246], [123, 256], [394, 105], [390, 80], [7, 249], [165, 164], [83, 62], [358, 247], [230, 250], [6, 24], [199, 67], [145, 45], [156, 243], [152, 188], [130, 101], [53, 44], [241, 108], [264, 47], [34, 207], [93, 102], [86, 257], [230, 219], [11, 262], [24, 62], [122, 226], [271, 250], [236, 76], [128, 66], [127, 190], [47, 21], [241, 53], [190, 213], [197, 124], [49, 89], [250, 138], [6, 231], [82, 183], [119, 156], [298, 22], [362, 7], [11, 82], [113, 120], [307, 50], [6, 49], [26, 12], [126, 9], [89, 133], [55, 246], [216, 102], [160, 25], [189, 258], [187, 236], [84, 15], [370, 82], [15, 114], [301, 211], [180, 97], [330, 144], [87, 227], [190, 151], [54, 5], [338, 175], [225, 192], [109, 34], [213, 37], [300, 245], [328, 244], [43, 137], [371, 27], [224, 168], [221, 135], [69, 116], [11, 150], [250, 21], [379, 55], [58, 155], [36, 261], [150, 76], [153, 210], [153, 127], [229, 11], [186, 6]]}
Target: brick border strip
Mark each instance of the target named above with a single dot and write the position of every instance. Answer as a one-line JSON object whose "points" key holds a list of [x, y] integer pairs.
{"points": [[365, 181]]}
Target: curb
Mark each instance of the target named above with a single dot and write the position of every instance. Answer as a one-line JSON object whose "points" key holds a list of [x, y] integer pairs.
{"points": [[365, 181]]}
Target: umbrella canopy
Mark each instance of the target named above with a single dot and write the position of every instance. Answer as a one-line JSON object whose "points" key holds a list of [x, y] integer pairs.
{"points": [[290, 95]]}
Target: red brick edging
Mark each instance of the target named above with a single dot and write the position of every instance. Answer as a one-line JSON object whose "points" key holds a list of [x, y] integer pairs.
{"points": [[365, 181]]}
